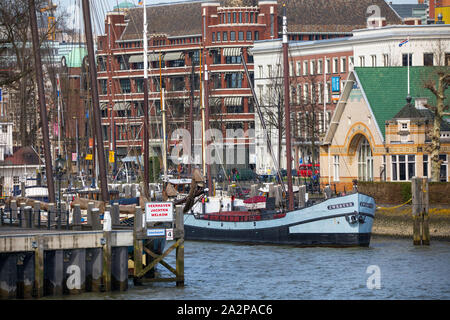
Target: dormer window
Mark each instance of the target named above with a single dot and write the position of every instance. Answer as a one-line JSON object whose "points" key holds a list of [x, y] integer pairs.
{"points": [[404, 126]]}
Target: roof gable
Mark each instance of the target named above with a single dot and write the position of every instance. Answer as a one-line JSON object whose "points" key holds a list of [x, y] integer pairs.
{"points": [[386, 89]]}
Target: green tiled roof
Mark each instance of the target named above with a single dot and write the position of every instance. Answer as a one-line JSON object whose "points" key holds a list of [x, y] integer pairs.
{"points": [[386, 89]]}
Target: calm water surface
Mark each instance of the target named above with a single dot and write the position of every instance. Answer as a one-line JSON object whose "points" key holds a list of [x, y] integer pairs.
{"points": [[231, 271]]}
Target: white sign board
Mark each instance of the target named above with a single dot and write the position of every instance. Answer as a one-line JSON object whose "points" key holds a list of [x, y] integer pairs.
{"points": [[169, 234], [159, 212], [156, 232]]}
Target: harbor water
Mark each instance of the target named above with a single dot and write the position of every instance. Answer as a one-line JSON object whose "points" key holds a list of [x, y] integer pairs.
{"points": [[388, 269]]}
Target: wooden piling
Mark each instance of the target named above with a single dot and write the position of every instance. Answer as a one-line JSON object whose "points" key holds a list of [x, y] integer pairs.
{"points": [[179, 233], [138, 246], [420, 208], [115, 214], [39, 267], [107, 253]]}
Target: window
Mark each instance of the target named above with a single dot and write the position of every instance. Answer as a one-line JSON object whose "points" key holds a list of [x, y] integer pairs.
{"points": [[428, 59], [305, 68], [319, 66], [343, 64], [291, 69], [385, 60], [256, 35], [218, 36], [405, 58], [249, 35], [299, 94], [240, 17], [425, 165], [447, 59], [444, 167], [328, 93], [125, 85], [225, 36], [261, 71], [232, 35], [16, 180], [313, 67], [403, 167], [241, 36], [251, 17], [336, 168], [362, 61], [305, 92], [213, 37], [365, 161], [335, 65], [328, 66], [299, 67], [269, 68], [139, 85], [320, 92], [233, 80], [103, 86], [229, 17], [374, 60], [233, 59]]}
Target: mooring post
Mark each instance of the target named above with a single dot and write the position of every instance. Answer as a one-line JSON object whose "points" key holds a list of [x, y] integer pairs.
{"points": [[115, 214], [95, 218], [425, 210], [38, 246], [416, 191], [26, 217], [22, 215], [138, 246], [89, 214], [106, 275], [13, 207], [37, 214], [179, 226], [302, 196], [50, 212], [76, 217]]}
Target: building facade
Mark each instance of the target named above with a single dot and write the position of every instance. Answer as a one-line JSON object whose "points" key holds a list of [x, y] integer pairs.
{"points": [[187, 38], [319, 71], [375, 136]]}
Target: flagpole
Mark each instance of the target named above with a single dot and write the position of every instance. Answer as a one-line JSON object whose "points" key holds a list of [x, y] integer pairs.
{"points": [[408, 72]]}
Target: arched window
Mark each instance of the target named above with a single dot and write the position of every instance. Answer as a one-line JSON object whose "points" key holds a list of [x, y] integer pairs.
{"points": [[365, 161]]}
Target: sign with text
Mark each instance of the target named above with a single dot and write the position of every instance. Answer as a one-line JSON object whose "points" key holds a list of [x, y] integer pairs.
{"points": [[335, 84], [169, 234], [159, 212], [156, 232]]}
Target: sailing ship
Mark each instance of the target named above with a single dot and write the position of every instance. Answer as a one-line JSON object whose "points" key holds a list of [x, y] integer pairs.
{"points": [[341, 221]]}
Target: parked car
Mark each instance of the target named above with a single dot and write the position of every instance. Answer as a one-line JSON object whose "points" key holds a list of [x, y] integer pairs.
{"points": [[306, 170]]}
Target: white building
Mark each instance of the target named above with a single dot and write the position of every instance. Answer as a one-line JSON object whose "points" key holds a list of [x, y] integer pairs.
{"points": [[324, 60], [16, 166]]}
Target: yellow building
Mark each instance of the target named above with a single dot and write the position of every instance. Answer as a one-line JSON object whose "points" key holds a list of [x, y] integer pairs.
{"points": [[374, 136], [445, 11]]}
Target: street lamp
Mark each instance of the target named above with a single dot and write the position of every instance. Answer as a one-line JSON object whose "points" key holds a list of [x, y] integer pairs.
{"points": [[59, 168]]}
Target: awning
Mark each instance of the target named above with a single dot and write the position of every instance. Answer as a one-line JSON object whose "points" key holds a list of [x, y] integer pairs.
{"points": [[131, 159], [216, 102], [103, 105], [233, 101], [229, 52], [136, 58], [118, 106], [174, 56]]}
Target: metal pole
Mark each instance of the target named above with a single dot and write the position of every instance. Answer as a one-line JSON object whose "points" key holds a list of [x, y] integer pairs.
{"points": [[146, 115], [42, 106], [95, 100], [287, 113]]}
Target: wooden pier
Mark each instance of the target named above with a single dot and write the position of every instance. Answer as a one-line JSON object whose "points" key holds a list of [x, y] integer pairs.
{"points": [[58, 258]]}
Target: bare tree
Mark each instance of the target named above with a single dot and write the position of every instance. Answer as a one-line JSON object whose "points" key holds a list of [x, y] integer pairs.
{"points": [[438, 89]]}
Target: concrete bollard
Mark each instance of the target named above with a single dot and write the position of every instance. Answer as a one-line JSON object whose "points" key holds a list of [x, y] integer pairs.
{"points": [[115, 214], [37, 214], [327, 192], [302, 196], [107, 223], [14, 211], [27, 217], [51, 213], [22, 215], [95, 218], [76, 217]]}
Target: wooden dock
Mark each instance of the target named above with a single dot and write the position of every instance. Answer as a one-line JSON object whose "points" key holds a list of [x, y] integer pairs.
{"points": [[58, 258]]}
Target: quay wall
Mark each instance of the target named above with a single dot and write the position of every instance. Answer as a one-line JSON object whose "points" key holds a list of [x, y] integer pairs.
{"points": [[400, 192], [398, 222]]}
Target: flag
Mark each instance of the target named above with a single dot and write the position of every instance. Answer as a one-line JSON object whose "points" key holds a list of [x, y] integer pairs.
{"points": [[403, 42], [140, 2]]}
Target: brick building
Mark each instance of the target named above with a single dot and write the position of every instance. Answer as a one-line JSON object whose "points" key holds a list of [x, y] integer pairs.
{"points": [[182, 34]]}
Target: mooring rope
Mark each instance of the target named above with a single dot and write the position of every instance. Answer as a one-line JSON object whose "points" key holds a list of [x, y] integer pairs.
{"points": [[396, 207]]}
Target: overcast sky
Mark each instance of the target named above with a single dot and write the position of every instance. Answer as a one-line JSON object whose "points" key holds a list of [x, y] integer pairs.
{"points": [[99, 7]]}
